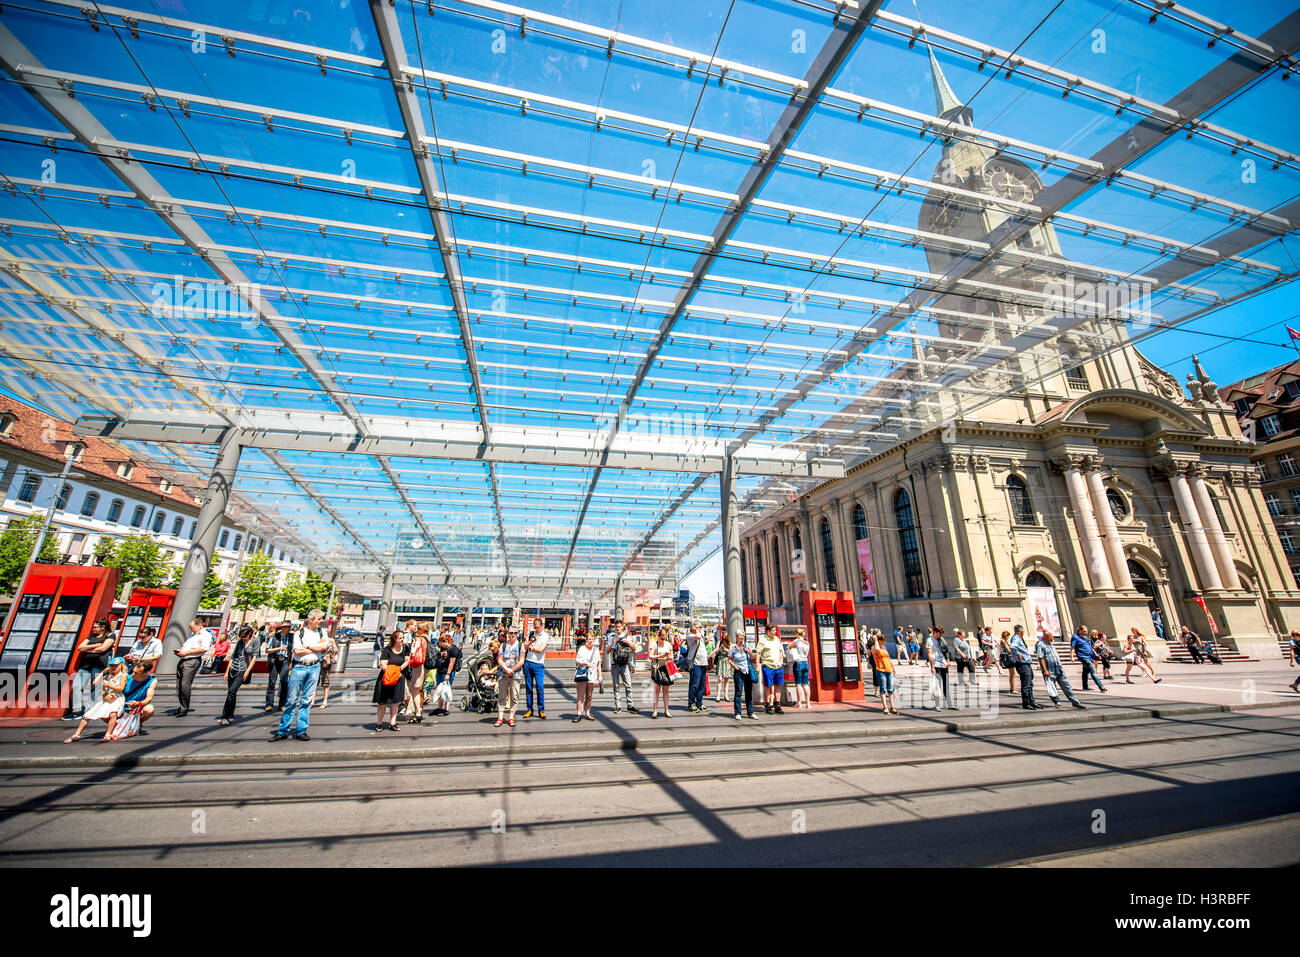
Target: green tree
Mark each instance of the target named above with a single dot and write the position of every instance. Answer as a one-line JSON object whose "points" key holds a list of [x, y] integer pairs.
{"points": [[104, 551], [16, 544], [256, 585], [318, 591], [293, 595], [139, 561], [214, 589]]}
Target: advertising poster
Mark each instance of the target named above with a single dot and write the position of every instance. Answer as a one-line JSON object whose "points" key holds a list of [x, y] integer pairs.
{"points": [[1042, 605], [866, 572]]}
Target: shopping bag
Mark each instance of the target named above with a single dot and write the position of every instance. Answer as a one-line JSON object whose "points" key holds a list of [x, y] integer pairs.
{"points": [[126, 726], [1051, 687], [442, 693]]}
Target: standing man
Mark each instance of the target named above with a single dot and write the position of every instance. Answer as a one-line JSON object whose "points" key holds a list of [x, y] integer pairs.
{"points": [[1192, 642], [198, 644], [1050, 663], [1022, 661], [622, 652], [697, 653], [1081, 649], [939, 664], [278, 661], [309, 643], [771, 659], [535, 670]]}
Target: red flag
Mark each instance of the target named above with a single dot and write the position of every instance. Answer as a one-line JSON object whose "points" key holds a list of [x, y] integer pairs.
{"points": [[1294, 334]]}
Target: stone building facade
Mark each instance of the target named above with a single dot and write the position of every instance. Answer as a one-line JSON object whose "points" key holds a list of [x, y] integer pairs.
{"points": [[1101, 494]]}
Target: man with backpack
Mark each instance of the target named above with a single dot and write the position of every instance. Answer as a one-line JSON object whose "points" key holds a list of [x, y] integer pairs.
{"points": [[622, 654], [696, 657]]}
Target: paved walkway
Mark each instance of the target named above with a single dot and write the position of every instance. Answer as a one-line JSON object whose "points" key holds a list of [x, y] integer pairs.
{"points": [[345, 731]]}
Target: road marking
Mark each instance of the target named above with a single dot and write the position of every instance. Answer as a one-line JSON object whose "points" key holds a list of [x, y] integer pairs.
{"points": [[1280, 694]]}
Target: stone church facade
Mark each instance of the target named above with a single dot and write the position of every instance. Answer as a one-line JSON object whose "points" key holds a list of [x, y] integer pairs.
{"points": [[1103, 494]]}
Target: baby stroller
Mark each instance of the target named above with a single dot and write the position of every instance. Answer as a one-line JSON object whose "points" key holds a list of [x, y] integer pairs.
{"points": [[482, 693]]}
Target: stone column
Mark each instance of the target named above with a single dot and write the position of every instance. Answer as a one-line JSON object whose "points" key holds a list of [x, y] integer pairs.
{"points": [[1111, 544], [1203, 558], [1085, 524], [1214, 531]]}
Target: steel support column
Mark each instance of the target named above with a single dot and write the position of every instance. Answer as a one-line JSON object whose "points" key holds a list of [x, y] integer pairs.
{"points": [[730, 528], [386, 604], [189, 593]]}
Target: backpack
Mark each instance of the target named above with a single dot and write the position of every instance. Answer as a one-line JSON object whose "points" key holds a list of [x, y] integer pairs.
{"points": [[621, 655]]}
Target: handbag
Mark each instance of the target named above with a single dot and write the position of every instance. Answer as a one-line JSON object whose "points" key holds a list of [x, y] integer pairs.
{"points": [[753, 673], [1005, 661], [417, 656], [671, 668], [581, 674]]}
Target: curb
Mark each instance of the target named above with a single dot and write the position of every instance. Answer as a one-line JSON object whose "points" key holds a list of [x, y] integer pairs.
{"points": [[127, 761]]}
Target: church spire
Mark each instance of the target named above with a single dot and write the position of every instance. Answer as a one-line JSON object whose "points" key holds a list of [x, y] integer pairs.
{"points": [[947, 106]]}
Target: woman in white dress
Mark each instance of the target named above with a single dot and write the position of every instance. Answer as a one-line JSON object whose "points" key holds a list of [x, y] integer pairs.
{"points": [[111, 681]]}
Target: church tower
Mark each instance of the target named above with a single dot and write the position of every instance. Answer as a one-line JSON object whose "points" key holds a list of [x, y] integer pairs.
{"points": [[1010, 184]]}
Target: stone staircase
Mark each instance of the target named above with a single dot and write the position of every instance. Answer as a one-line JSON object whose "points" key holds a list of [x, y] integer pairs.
{"points": [[1178, 653]]}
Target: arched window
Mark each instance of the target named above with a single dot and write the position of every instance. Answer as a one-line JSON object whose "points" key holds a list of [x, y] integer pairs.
{"points": [[828, 557], [913, 579], [61, 502], [1118, 507], [177, 525], [859, 523], [1038, 580], [194, 530], [776, 573], [758, 574], [137, 517], [238, 541], [1022, 510], [115, 510], [798, 539], [744, 578], [89, 504], [158, 519], [225, 537]]}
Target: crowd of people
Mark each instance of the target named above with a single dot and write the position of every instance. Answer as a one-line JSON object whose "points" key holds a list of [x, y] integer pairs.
{"points": [[417, 665]]}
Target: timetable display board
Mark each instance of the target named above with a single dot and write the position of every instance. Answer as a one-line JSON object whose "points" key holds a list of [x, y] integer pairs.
{"points": [[28, 626], [850, 667], [65, 628], [54, 614], [146, 607], [828, 646], [835, 665]]}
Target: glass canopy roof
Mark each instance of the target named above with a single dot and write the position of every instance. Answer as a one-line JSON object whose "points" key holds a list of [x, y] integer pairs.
{"points": [[597, 244]]}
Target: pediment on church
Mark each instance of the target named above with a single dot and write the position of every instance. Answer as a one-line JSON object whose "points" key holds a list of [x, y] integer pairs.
{"points": [[1125, 412]]}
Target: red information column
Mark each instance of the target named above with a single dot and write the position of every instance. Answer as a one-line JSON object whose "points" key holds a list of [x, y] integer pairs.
{"points": [[835, 670], [55, 611], [150, 607]]}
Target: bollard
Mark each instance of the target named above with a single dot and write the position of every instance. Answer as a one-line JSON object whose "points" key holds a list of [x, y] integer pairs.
{"points": [[341, 665]]}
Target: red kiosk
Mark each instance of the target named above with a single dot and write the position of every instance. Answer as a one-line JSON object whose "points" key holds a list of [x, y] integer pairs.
{"points": [[146, 606], [835, 671], [57, 607]]}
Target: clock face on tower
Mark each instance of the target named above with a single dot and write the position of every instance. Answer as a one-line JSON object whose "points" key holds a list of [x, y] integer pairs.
{"points": [[1010, 179], [942, 215]]}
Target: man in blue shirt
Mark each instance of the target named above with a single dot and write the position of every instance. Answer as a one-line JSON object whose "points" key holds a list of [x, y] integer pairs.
{"points": [[1082, 651], [1050, 663], [1022, 661]]}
